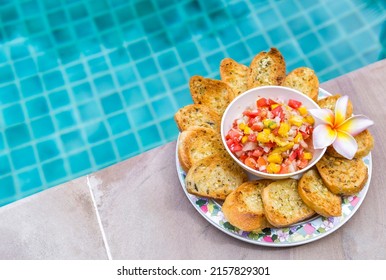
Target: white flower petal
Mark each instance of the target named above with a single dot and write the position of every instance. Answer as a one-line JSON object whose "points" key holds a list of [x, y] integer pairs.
{"points": [[345, 145], [340, 109], [323, 136], [355, 125], [324, 115]]}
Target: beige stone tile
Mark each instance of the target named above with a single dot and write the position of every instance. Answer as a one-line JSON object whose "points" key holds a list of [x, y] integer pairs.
{"points": [[146, 215], [59, 223]]}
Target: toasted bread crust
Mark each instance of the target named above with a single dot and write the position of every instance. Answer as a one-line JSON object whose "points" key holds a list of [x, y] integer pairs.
{"points": [[214, 177], [212, 93], [243, 207], [342, 176], [283, 205], [267, 68], [365, 143], [234, 74], [317, 196], [198, 143], [330, 101], [194, 115], [304, 80]]}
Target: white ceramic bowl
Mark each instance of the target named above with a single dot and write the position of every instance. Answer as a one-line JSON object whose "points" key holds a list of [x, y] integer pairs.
{"points": [[247, 99]]}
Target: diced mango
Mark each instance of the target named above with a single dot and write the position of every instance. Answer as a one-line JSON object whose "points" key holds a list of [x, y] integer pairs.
{"points": [[273, 168], [283, 129], [247, 130], [242, 126], [244, 139], [266, 131], [270, 124], [302, 110], [296, 120], [280, 150], [298, 137], [309, 119], [279, 142], [263, 137], [275, 158], [307, 155], [273, 106]]}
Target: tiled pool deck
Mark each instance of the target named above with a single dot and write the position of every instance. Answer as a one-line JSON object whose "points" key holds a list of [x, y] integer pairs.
{"points": [[86, 84]]}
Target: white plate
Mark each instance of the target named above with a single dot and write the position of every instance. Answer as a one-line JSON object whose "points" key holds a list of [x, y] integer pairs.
{"points": [[301, 233]]}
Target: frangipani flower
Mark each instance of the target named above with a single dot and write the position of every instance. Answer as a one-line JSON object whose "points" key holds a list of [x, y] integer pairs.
{"points": [[335, 129]]}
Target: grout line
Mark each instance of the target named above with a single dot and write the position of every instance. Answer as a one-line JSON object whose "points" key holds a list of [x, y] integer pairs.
{"points": [[99, 220]]}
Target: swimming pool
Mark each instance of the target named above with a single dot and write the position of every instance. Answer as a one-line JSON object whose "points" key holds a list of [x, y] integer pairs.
{"points": [[86, 84]]}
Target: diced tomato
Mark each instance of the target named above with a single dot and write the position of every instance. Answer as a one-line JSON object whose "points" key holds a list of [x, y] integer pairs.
{"points": [[251, 114], [261, 162], [275, 131], [252, 137], [235, 134], [251, 162], [258, 152], [284, 169], [262, 102], [293, 155], [270, 145], [243, 157], [234, 147], [294, 103], [257, 126], [302, 163]]}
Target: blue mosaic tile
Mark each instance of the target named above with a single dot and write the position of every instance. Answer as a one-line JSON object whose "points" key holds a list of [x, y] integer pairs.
{"points": [[7, 188], [126, 76], [6, 74], [96, 132], [25, 68], [23, 157], [85, 84], [163, 107], [42, 127], [78, 12], [72, 140], [79, 162], [187, 51], [103, 153], [13, 115], [111, 103], [75, 73], [89, 111], [31, 86], [65, 119], [29, 180], [154, 87], [150, 136], [54, 170], [104, 84], [168, 60], [47, 61], [141, 115], [19, 51], [134, 95], [53, 80], [37, 107], [59, 99], [97, 65], [119, 123], [127, 145], [17, 135], [119, 57], [47, 150], [5, 166], [169, 129]]}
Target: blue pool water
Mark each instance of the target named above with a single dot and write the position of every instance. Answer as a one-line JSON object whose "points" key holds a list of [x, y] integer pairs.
{"points": [[86, 84]]}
